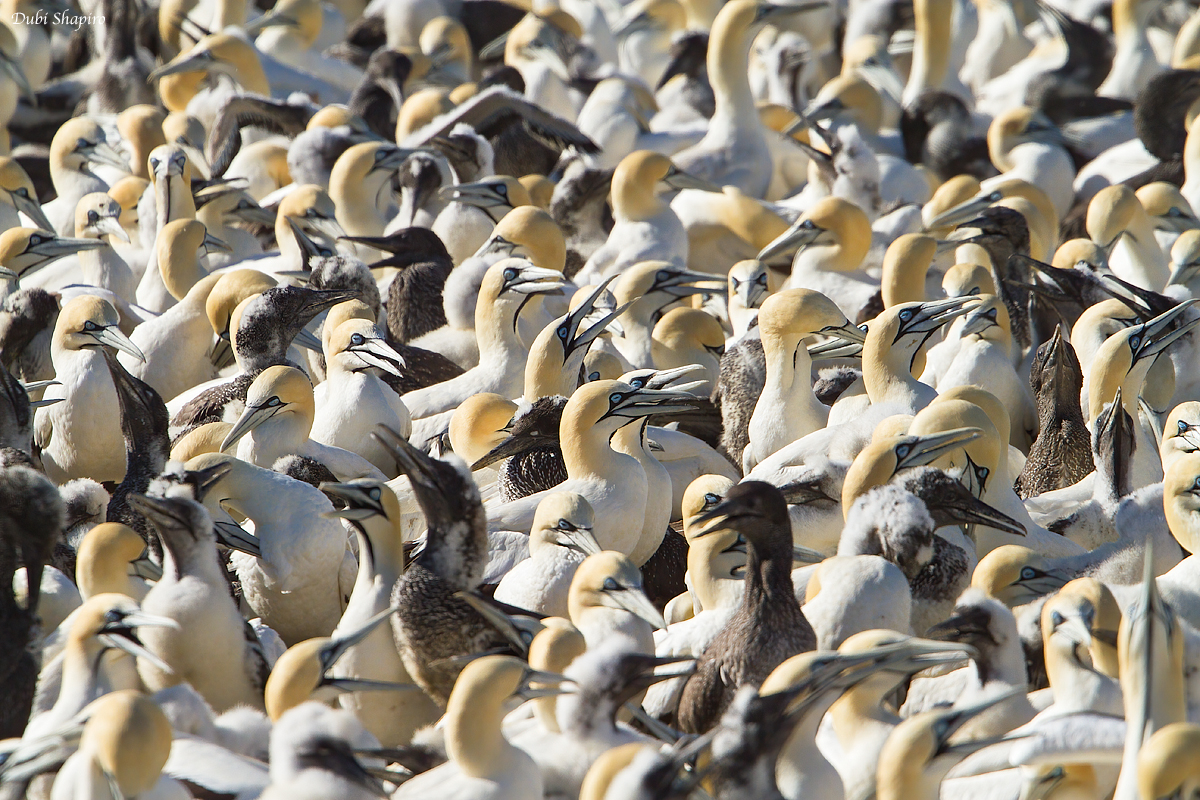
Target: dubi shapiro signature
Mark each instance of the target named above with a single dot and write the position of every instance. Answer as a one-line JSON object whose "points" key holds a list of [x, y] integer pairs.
{"points": [[65, 18]]}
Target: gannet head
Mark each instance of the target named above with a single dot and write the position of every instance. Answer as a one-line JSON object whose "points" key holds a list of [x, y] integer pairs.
{"points": [[1018, 126], [17, 189], [81, 141], [359, 344], [563, 519], [1166, 766], [611, 580], [480, 423], [905, 265], [988, 319], [107, 555], [277, 391], [226, 52], [687, 336], [96, 215], [1016, 575], [1167, 207], [311, 209], [651, 286], [302, 673], [528, 232], [113, 620], [801, 313], [883, 458], [1110, 214], [1181, 499], [502, 193], [750, 283], [1185, 257], [972, 462], [88, 322], [847, 98], [831, 222]]}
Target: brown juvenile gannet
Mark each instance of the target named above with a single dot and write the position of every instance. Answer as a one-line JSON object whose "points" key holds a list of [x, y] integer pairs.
{"points": [[768, 626]]}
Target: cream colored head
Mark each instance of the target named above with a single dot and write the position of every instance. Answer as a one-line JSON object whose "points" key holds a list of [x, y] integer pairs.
{"points": [[77, 142], [996, 411], [1165, 202], [601, 365], [703, 493], [978, 459], [1015, 127], [1106, 621], [843, 225], [282, 387], [950, 194], [141, 127], [1110, 213], [1166, 763], [421, 108], [1016, 575], [540, 190], [234, 287], [535, 235], [102, 564], [552, 650], [128, 192], [130, 738], [965, 279], [97, 215], [296, 676], [849, 98], [610, 580], [905, 264], [206, 438], [1181, 500], [563, 519], [1080, 252], [80, 318], [1181, 432], [799, 313], [604, 770], [479, 424]]}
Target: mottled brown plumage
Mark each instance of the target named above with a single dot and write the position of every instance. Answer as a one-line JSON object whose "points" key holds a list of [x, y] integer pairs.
{"points": [[1062, 453]]}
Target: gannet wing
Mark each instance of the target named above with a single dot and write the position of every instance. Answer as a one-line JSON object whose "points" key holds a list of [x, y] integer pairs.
{"points": [[242, 110]]}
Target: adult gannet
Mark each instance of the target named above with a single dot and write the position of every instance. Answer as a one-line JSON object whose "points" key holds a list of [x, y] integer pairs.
{"points": [[373, 510], [288, 34], [689, 337], [77, 436], [647, 290], [212, 649], [78, 147], [226, 213], [112, 559], [352, 399], [1117, 222], [734, 150], [96, 216], [786, 411], [750, 283], [834, 237], [482, 764], [19, 196], [613, 483], [361, 186], [1165, 766], [558, 542], [1022, 143], [607, 602], [644, 227], [507, 287], [768, 627], [453, 561], [278, 420]]}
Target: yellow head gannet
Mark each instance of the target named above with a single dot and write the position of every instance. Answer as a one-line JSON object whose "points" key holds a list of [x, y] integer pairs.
{"points": [[474, 209], [78, 437], [361, 187], [78, 146], [110, 560], [787, 409], [97, 216], [559, 541], [278, 422], [1022, 143], [508, 286], [686, 337], [644, 228], [18, 195], [833, 238], [606, 601], [1118, 223], [353, 399], [649, 289], [750, 283]]}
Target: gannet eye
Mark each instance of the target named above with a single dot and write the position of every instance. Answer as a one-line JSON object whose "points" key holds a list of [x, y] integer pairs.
{"points": [[808, 223], [80, 144], [562, 332], [1134, 341], [662, 275], [906, 315], [638, 383], [93, 217], [502, 190], [113, 616], [36, 239], [273, 402], [610, 585], [23, 192], [1183, 426], [991, 314], [1056, 619], [615, 398], [358, 339], [903, 450], [1028, 573], [593, 376], [761, 279], [510, 274], [736, 283], [982, 474], [373, 493], [711, 499], [563, 525], [88, 325]]}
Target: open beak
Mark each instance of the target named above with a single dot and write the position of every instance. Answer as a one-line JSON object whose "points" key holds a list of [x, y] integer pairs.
{"points": [[121, 636], [512, 446], [309, 246], [1154, 336], [144, 568]]}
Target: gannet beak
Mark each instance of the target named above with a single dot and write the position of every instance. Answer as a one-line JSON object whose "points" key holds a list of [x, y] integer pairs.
{"points": [[222, 353], [802, 233], [212, 244], [144, 568], [682, 283], [250, 419], [576, 537], [53, 247], [506, 625], [496, 244], [837, 347], [568, 330], [363, 500], [632, 24], [308, 341], [111, 226], [933, 315], [121, 635], [8, 275], [1154, 340], [389, 158], [265, 21], [512, 446], [341, 641], [678, 179], [806, 555], [922, 450], [309, 247], [549, 56], [253, 213], [648, 402], [379, 354], [13, 69], [956, 719], [1040, 786], [532, 280], [190, 61], [550, 684], [32, 209], [963, 508], [480, 195], [635, 602], [1181, 273], [111, 336], [976, 321], [104, 153], [235, 537], [963, 212]]}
